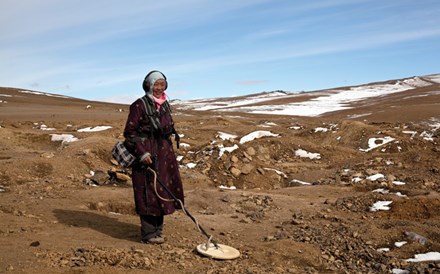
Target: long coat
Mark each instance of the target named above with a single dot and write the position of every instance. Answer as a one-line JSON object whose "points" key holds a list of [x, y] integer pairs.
{"points": [[141, 139]]}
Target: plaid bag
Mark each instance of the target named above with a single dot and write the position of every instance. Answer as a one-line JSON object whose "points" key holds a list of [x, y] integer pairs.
{"points": [[122, 155]]}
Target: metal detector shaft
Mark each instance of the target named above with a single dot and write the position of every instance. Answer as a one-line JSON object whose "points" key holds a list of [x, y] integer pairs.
{"points": [[187, 213]]}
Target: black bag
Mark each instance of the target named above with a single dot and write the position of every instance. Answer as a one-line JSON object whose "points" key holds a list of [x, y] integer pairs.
{"points": [[121, 154]]}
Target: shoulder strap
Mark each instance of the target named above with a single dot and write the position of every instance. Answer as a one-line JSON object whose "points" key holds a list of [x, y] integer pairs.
{"points": [[167, 107], [150, 111], [148, 107]]}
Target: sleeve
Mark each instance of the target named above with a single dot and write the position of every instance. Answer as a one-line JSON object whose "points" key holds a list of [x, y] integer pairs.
{"points": [[138, 147]]}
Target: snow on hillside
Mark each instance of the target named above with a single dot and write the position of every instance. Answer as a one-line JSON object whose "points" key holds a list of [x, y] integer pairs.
{"points": [[326, 101], [43, 93], [213, 104], [434, 78]]}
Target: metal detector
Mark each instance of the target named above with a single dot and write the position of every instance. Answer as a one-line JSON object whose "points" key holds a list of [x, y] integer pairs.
{"points": [[211, 248]]}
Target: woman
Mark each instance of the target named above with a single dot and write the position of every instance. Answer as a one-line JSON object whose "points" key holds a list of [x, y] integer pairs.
{"points": [[147, 133]]}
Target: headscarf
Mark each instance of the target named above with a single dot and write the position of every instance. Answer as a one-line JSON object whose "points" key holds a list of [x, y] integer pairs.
{"points": [[151, 78]]}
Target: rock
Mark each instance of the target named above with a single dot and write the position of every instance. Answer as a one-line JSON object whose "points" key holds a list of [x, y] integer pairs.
{"points": [[246, 221], [296, 222], [247, 156], [206, 169], [371, 171], [35, 244], [236, 165], [250, 151], [100, 206], [391, 178], [275, 177], [88, 182], [270, 238], [226, 199], [122, 177], [255, 215], [235, 171], [247, 168], [100, 177], [227, 165], [47, 155]]}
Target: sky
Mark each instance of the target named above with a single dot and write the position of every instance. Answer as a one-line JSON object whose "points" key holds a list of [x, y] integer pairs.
{"points": [[102, 50]]}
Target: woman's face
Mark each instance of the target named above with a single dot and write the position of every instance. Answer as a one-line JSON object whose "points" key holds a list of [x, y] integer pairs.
{"points": [[159, 88]]}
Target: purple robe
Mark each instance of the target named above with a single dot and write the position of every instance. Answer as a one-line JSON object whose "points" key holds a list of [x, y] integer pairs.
{"points": [[140, 139]]}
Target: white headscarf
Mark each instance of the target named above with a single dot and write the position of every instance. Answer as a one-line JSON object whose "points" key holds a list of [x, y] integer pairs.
{"points": [[152, 78]]}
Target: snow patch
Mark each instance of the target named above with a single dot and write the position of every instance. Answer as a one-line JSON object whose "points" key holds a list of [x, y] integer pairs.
{"points": [[305, 154]]}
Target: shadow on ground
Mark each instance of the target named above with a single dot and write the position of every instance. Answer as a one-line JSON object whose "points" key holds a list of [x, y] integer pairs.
{"points": [[103, 224]]}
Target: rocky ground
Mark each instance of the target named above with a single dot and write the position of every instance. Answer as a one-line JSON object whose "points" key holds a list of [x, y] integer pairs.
{"points": [[66, 207]]}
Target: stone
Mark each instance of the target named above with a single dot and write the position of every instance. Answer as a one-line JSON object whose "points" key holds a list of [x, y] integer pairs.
{"points": [[100, 177], [235, 171], [251, 151], [122, 177], [47, 155], [226, 199], [247, 168]]}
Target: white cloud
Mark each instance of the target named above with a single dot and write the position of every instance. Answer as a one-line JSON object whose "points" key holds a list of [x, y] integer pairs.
{"points": [[89, 45]]}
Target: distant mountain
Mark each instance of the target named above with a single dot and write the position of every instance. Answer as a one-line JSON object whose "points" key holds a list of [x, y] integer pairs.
{"points": [[322, 102], [31, 97]]}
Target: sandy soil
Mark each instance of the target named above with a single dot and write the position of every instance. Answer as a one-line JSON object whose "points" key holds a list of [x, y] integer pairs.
{"points": [[56, 217]]}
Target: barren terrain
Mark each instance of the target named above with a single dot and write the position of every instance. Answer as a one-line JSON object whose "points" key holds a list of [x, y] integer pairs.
{"points": [[65, 207]]}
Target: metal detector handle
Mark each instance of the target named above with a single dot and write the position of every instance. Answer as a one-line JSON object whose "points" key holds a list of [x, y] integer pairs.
{"points": [[201, 228], [185, 210]]}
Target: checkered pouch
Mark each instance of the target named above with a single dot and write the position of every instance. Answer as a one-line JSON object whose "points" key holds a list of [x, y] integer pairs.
{"points": [[122, 155]]}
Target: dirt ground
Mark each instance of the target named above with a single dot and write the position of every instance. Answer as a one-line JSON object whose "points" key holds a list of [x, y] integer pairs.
{"points": [[66, 208]]}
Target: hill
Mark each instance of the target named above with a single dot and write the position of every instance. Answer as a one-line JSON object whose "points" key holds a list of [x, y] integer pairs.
{"points": [[329, 189]]}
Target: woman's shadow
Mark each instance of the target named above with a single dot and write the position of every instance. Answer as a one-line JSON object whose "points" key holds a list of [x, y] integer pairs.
{"points": [[106, 225]]}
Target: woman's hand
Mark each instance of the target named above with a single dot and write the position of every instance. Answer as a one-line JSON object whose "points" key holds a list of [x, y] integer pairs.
{"points": [[147, 160]]}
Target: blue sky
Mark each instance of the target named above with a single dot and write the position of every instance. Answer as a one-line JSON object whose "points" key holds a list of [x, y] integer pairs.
{"points": [[102, 50]]}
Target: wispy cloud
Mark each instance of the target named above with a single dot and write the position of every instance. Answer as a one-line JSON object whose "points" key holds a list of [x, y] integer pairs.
{"points": [[99, 45]]}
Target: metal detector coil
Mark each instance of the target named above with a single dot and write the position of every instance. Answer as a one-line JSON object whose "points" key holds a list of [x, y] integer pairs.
{"points": [[219, 251]]}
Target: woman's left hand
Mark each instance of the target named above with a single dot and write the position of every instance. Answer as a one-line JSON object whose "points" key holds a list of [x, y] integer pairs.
{"points": [[147, 160]]}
